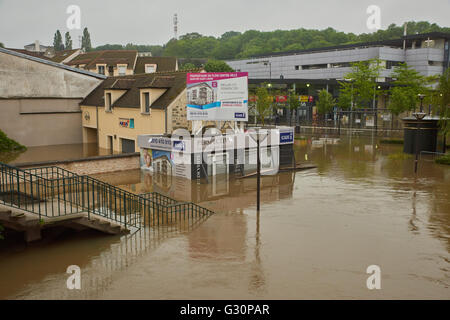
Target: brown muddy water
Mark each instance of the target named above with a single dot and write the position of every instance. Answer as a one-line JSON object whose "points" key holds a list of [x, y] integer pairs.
{"points": [[54, 153], [314, 238]]}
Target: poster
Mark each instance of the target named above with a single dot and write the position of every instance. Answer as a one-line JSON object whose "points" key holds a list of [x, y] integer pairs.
{"points": [[221, 96]]}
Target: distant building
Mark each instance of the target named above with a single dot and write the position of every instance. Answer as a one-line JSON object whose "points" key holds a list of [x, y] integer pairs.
{"points": [[308, 71], [121, 108], [39, 99], [427, 53], [122, 62], [37, 47], [106, 62]]}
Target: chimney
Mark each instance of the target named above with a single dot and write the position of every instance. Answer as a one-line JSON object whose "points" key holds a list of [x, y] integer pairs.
{"points": [[37, 47]]}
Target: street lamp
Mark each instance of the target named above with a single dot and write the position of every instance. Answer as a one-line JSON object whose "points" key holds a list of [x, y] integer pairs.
{"points": [[419, 117], [421, 96], [256, 136]]}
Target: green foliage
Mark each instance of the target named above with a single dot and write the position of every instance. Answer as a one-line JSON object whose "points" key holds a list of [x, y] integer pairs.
{"points": [[188, 66], [2, 45], [326, 102], [263, 103], [445, 159], [9, 145], [443, 102], [363, 77], [408, 84], [361, 85], [217, 66], [57, 41], [86, 40], [235, 45], [68, 41], [346, 93]]}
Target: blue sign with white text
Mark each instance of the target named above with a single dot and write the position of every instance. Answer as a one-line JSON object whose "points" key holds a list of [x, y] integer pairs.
{"points": [[286, 137]]}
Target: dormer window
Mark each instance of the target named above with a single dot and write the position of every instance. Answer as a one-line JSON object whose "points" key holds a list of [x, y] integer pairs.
{"points": [[150, 68], [122, 69], [108, 101], [101, 69]]}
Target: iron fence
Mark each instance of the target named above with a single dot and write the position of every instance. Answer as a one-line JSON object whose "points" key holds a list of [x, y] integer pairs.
{"points": [[53, 192]]}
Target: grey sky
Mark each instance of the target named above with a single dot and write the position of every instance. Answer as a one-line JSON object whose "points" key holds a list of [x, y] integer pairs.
{"points": [[150, 21]]}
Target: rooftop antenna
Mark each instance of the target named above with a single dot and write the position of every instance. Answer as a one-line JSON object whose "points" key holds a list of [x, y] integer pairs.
{"points": [[175, 26]]}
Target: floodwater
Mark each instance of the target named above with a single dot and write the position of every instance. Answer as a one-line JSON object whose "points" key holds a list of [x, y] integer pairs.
{"points": [[54, 153], [316, 234]]}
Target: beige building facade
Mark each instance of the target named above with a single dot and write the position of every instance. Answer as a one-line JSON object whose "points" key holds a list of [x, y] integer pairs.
{"points": [[121, 108]]}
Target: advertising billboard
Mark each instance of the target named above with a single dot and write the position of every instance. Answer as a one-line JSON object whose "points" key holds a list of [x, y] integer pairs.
{"points": [[221, 96]]}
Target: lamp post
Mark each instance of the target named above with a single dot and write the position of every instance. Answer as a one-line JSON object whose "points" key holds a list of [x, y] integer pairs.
{"points": [[419, 117], [257, 137]]}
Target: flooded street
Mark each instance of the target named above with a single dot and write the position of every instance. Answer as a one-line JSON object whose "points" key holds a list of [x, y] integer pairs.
{"points": [[316, 234]]}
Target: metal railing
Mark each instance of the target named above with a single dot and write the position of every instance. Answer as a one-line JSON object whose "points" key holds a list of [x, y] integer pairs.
{"points": [[163, 210], [53, 192]]}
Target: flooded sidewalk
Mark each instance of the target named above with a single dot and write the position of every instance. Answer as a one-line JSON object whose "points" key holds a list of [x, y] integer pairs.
{"points": [[314, 238]]}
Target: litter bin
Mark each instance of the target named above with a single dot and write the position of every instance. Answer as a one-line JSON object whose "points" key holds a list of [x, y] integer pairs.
{"points": [[423, 132]]}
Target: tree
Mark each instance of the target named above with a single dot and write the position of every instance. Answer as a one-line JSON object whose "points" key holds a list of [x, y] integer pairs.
{"points": [[2, 45], [325, 103], [68, 41], [263, 103], [57, 41], [86, 40], [293, 104], [443, 95], [217, 66], [362, 82], [188, 66], [406, 87]]}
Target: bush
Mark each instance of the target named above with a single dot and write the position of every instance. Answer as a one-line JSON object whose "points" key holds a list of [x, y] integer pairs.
{"points": [[445, 159], [8, 145]]}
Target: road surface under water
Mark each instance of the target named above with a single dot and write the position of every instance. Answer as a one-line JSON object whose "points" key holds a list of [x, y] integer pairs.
{"points": [[314, 238]]}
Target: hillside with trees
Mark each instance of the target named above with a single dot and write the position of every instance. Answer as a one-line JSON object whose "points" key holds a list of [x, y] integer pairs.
{"points": [[235, 45]]}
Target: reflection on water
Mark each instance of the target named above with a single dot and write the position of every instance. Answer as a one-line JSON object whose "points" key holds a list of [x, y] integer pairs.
{"points": [[54, 153], [317, 232]]}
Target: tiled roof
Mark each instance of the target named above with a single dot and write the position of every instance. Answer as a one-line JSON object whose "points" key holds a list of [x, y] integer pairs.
{"points": [[174, 82], [163, 64], [61, 55], [108, 57], [30, 53], [50, 63]]}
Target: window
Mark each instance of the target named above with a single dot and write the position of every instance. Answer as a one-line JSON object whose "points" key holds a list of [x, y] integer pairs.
{"points": [[146, 102], [314, 66], [150, 68], [297, 67], [111, 70], [108, 102], [122, 70], [390, 64], [101, 69]]}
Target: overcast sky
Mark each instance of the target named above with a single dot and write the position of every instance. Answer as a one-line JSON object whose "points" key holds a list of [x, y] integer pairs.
{"points": [[150, 21]]}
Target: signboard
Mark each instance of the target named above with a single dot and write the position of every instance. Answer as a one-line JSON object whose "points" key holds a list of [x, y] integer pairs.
{"points": [[281, 99], [126, 123], [219, 96]]}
